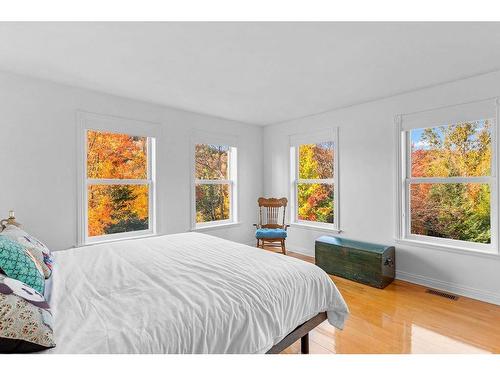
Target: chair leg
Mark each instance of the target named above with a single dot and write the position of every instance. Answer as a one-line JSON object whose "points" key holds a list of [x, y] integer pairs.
{"points": [[283, 248], [258, 243]]}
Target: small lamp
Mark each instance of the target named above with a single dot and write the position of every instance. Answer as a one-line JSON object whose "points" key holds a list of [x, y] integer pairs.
{"points": [[11, 220]]}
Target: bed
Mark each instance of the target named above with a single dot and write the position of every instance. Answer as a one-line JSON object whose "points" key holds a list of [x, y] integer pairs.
{"points": [[186, 293]]}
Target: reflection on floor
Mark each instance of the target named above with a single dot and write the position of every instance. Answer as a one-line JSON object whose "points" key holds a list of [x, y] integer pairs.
{"points": [[402, 318], [424, 341]]}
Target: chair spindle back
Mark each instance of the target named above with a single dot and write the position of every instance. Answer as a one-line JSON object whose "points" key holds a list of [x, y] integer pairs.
{"points": [[272, 212]]}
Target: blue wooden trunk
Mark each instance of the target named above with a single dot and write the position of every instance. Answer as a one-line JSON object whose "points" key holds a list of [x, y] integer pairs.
{"points": [[364, 262]]}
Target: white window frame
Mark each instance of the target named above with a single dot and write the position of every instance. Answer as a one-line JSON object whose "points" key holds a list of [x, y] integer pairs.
{"points": [[110, 124], [201, 137], [455, 113], [327, 135]]}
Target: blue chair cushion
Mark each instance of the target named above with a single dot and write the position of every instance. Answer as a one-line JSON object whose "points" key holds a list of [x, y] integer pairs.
{"points": [[270, 233]]}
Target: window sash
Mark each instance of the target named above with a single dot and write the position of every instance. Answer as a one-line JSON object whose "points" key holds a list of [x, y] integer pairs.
{"points": [[329, 181], [295, 143], [325, 181], [149, 153], [405, 157], [406, 134], [231, 194], [231, 181], [447, 180], [213, 182], [450, 180], [149, 181], [122, 235], [449, 241], [117, 181]]}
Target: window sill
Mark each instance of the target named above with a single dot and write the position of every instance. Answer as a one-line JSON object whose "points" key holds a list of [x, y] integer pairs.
{"points": [[216, 226], [450, 249], [109, 240], [323, 228]]}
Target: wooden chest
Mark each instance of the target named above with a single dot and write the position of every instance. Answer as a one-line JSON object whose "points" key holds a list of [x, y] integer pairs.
{"points": [[364, 262]]}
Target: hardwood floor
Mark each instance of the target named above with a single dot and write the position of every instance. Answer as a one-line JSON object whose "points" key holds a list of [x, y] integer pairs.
{"points": [[403, 318]]}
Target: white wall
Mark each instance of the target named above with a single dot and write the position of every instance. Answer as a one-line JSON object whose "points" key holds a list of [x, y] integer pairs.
{"points": [[38, 158], [38, 169], [367, 154]]}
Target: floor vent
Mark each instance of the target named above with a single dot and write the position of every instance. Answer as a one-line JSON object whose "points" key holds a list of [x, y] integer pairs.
{"points": [[442, 294]]}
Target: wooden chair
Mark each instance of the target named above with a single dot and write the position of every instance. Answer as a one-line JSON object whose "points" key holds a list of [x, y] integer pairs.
{"points": [[271, 227]]}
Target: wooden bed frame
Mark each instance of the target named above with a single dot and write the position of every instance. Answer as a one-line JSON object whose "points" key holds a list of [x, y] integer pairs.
{"points": [[302, 333]]}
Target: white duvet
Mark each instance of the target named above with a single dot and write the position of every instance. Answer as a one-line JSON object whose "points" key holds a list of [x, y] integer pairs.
{"points": [[184, 293]]}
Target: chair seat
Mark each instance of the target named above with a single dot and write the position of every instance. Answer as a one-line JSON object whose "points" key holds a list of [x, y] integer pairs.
{"points": [[270, 233]]}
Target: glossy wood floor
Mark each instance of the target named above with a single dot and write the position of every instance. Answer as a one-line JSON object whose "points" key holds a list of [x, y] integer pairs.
{"points": [[403, 318]]}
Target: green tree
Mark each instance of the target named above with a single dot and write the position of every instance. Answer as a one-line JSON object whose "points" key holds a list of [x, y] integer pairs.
{"points": [[124, 218]]}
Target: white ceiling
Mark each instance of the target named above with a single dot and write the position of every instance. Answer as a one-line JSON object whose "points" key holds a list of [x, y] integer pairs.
{"points": [[258, 73]]}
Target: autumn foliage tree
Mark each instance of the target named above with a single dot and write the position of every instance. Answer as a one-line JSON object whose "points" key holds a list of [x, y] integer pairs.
{"points": [[116, 208], [452, 210], [315, 200], [212, 200]]}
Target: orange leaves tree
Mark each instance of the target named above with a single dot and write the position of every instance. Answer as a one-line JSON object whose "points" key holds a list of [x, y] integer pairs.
{"points": [[116, 208]]}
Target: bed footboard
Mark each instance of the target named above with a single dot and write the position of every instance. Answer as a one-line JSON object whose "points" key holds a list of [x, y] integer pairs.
{"points": [[302, 333]]}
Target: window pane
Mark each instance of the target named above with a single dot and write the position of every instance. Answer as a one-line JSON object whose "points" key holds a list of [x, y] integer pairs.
{"points": [[316, 160], [454, 211], [212, 202], [448, 151], [315, 202], [111, 155], [117, 208], [211, 162]]}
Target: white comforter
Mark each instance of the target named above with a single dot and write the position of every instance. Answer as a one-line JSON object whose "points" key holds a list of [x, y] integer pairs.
{"points": [[184, 293]]}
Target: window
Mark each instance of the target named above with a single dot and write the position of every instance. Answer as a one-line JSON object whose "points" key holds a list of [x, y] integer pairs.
{"points": [[314, 180], [118, 185], [214, 184], [448, 187]]}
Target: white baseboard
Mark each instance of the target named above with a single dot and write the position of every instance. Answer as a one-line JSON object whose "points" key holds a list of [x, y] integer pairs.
{"points": [[446, 286], [301, 250]]}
